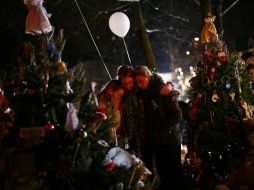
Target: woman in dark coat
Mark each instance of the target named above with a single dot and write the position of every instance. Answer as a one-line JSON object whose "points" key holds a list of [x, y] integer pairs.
{"points": [[162, 115]]}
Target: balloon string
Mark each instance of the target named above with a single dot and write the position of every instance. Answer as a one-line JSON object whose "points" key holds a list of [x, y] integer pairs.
{"points": [[127, 52], [87, 27]]}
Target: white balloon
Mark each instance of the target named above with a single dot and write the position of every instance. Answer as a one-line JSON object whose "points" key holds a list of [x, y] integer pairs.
{"points": [[119, 24]]}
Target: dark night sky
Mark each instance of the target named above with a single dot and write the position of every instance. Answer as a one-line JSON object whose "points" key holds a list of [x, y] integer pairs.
{"points": [[238, 24]]}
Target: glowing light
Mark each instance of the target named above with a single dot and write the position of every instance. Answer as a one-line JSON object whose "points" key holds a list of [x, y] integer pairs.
{"points": [[180, 69], [186, 82], [191, 68], [167, 76], [187, 52], [228, 85], [178, 77], [181, 73], [196, 39]]}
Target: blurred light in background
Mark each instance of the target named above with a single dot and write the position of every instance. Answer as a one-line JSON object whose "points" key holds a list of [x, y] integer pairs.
{"points": [[196, 39]]}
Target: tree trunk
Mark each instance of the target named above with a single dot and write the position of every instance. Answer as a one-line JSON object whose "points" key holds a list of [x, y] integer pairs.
{"points": [[205, 7], [139, 22], [219, 17]]}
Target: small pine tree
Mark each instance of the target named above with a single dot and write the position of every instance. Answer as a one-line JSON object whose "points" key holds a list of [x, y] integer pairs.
{"points": [[221, 113], [57, 129]]}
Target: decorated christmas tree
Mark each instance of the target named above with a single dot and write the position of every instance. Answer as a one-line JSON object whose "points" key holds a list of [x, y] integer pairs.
{"points": [[51, 130], [221, 112]]}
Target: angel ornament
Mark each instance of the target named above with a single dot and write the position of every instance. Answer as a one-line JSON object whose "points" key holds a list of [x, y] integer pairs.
{"points": [[37, 20], [248, 109], [209, 32]]}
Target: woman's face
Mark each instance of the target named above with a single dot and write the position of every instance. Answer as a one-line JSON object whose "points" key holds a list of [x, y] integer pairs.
{"points": [[117, 95], [127, 82], [142, 81]]}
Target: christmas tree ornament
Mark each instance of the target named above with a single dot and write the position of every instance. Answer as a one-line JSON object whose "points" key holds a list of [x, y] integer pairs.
{"points": [[238, 81], [209, 31], [49, 127], [61, 67], [225, 80], [83, 134], [119, 186], [72, 121], [248, 109], [228, 85], [232, 95], [103, 143], [37, 20], [215, 97]]}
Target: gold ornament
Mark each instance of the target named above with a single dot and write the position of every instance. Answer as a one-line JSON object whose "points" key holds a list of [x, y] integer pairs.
{"points": [[209, 31], [248, 109], [215, 97], [232, 95], [61, 67], [238, 81]]}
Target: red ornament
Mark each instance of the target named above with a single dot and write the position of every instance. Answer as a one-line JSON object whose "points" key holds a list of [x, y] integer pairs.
{"points": [[222, 57], [49, 127], [110, 166]]}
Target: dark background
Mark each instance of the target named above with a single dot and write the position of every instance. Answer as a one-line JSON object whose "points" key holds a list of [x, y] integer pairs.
{"points": [[168, 22]]}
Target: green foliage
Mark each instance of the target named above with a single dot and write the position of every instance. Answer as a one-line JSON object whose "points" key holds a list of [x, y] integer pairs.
{"points": [[39, 93], [221, 97]]}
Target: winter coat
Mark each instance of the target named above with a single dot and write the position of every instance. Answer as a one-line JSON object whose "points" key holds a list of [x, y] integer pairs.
{"points": [[162, 114], [114, 119], [132, 117]]}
